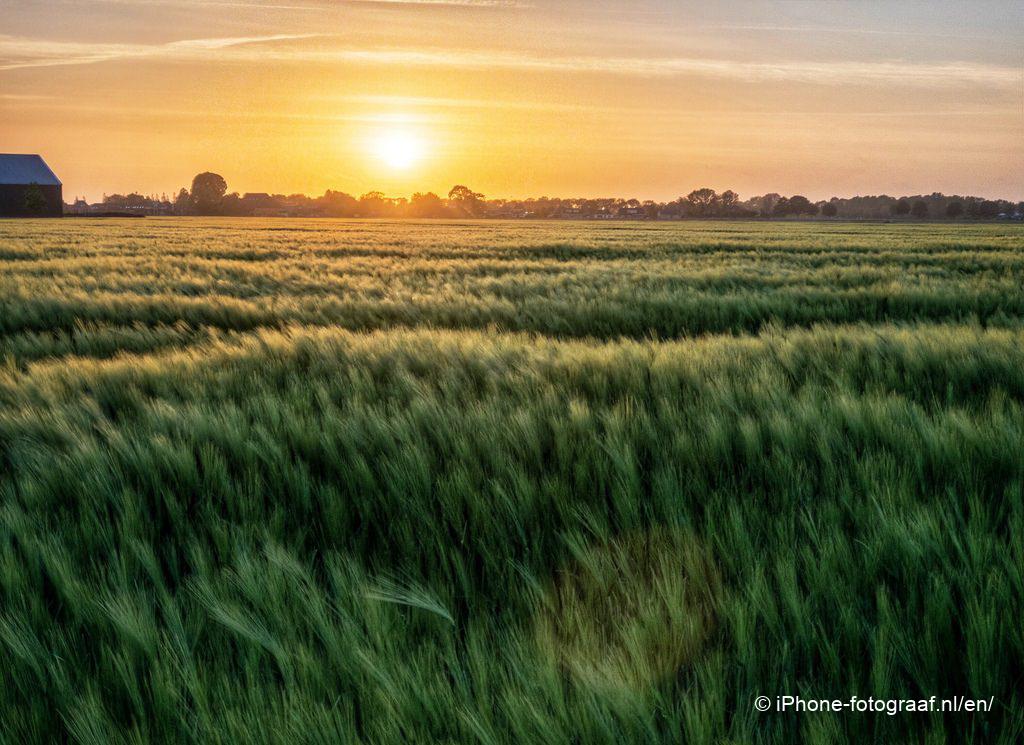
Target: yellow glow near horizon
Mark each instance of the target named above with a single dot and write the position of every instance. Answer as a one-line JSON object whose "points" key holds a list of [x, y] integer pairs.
{"points": [[398, 149]]}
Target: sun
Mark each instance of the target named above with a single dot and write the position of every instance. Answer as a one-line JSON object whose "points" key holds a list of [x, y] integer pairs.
{"points": [[398, 149]]}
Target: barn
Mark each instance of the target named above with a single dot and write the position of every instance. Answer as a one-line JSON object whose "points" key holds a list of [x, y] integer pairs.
{"points": [[28, 188]]}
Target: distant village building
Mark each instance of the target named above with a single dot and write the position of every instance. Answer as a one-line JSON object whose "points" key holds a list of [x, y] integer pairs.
{"points": [[121, 205], [28, 188]]}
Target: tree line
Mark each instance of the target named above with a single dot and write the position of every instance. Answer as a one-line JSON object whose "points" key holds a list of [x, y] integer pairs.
{"points": [[209, 195]]}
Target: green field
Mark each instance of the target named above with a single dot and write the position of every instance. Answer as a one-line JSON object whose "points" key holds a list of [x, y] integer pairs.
{"points": [[326, 481]]}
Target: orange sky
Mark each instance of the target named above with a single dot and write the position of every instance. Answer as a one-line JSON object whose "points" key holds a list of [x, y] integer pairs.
{"points": [[647, 99]]}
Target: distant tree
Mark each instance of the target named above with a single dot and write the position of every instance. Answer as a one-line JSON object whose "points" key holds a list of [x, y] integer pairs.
{"points": [[426, 205], [338, 204], [763, 206], [901, 208], [183, 203], [988, 208], [799, 205], [209, 197], [729, 202], [35, 200], [373, 204], [682, 207], [131, 201], [630, 208], [232, 204], [469, 202], [208, 190], [703, 200]]}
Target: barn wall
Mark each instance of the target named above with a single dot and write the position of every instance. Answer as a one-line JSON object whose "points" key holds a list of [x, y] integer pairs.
{"points": [[12, 200]]}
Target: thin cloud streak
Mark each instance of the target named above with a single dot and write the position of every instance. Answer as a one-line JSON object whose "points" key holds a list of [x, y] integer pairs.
{"points": [[888, 72], [149, 112], [838, 30], [18, 53], [442, 103]]}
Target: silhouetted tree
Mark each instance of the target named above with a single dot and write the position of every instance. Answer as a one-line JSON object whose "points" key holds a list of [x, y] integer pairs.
{"points": [[426, 205], [183, 203], [231, 204], [338, 204], [763, 206], [208, 190], [988, 208], [209, 197], [467, 201], [373, 204], [702, 200], [796, 205], [131, 201], [901, 208], [728, 202], [630, 208]]}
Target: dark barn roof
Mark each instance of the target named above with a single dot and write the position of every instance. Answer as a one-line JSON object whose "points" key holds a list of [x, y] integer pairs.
{"points": [[26, 169]]}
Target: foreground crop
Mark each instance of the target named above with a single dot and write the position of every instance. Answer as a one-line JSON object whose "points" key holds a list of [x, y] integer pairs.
{"points": [[288, 530]]}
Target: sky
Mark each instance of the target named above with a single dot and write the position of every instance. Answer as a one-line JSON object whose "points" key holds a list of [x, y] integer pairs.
{"points": [[514, 98]]}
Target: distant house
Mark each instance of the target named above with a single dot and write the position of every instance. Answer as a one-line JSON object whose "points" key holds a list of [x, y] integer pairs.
{"points": [[28, 188]]}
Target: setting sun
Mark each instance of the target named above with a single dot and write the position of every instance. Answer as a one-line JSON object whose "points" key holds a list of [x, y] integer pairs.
{"points": [[398, 149]]}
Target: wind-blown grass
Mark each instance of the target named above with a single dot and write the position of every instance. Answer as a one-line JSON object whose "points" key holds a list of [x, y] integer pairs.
{"points": [[436, 528], [562, 280]]}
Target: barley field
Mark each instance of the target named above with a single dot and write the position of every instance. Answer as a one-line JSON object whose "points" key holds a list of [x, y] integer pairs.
{"points": [[285, 481]]}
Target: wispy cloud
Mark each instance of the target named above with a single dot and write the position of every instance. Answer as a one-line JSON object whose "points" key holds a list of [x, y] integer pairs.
{"points": [[440, 103], [840, 30], [18, 53], [800, 71]]}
